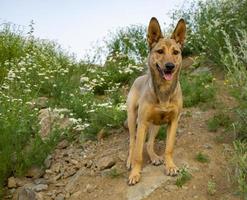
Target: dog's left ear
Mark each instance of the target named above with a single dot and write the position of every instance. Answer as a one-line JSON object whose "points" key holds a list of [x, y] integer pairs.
{"points": [[179, 32]]}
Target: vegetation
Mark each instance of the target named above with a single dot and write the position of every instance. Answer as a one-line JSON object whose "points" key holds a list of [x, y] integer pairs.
{"points": [[220, 119], [211, 187], [183, 177], [203, 158]]}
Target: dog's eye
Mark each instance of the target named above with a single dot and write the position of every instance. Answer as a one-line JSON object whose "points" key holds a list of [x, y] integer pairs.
{"points": [[175, 52], [160, 51]]}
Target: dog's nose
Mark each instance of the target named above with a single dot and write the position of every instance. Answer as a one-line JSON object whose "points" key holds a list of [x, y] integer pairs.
{"points": [[169, 66]]}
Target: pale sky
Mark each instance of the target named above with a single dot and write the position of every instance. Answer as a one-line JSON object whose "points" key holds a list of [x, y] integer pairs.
{"points": [[75, 24]]}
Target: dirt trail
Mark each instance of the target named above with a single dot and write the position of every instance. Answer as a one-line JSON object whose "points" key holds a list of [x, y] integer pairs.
{"points": [[96, 169]]}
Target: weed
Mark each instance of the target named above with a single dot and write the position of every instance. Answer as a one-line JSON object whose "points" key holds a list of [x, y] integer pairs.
{"points": [[162, 133], [211, 187], [240, 165], [183, 177], [203, 158], [219, 120], [197, 89]]}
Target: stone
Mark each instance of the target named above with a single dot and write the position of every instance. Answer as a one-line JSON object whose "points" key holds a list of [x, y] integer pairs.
{"points": [[101, 135], [76, 195], [105, 163], [40, 102], [52, 118], [35, 172], [88, 163], [60, 196], [12, 182], [63, 144], [208, 146], [26, 194], [40, 187], [40, 181], [89, 188], [152, 178], [201, 70], [73, 180], [171, 188], [48, 162], [22, 181]]}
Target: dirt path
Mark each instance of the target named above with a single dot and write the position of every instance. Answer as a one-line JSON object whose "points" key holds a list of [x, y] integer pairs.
{"points": [[96, 169]]}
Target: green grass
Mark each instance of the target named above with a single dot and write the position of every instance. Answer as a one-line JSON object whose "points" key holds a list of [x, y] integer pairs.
{"points": [[220, 119], [162, 133], [203, 158], [197, 89], [239, 161], [211, 187], [183, 177]]}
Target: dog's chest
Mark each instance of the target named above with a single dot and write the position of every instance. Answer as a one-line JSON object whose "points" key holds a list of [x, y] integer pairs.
{"points": [[161, 115]]}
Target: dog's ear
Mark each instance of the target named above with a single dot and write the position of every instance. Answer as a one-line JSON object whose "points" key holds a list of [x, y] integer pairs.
{"points": [[154, 32], [179, 32]]}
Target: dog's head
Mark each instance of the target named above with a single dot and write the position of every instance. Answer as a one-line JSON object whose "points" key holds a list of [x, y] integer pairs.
{"points": [[165, 58]]}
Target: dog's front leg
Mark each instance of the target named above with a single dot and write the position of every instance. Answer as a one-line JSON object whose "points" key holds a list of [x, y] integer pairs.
{"points": [[135, 175], [171, 168]]}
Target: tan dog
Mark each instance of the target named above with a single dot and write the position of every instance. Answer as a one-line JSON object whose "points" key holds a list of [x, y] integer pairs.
{"points": [[155, 99]]}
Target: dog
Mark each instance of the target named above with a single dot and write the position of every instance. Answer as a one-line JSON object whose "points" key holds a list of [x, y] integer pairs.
{"points": [[155, 99]]}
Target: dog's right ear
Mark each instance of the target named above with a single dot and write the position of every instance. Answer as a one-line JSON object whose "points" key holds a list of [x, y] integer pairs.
{"points": [[154, 32]]}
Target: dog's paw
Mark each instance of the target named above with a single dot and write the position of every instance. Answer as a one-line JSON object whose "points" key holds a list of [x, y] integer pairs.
{"points": [[172, 170], [134, 178], [156, 160]]}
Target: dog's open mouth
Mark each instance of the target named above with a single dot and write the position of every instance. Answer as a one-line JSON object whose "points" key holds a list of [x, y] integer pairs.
{"points": [[165, 73]]}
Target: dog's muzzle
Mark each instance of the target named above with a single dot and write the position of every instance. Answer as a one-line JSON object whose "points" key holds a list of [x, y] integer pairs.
{"points": [[166, 73]]}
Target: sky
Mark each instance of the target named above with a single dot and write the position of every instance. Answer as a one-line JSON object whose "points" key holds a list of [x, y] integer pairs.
{"points": [[78, 24]]}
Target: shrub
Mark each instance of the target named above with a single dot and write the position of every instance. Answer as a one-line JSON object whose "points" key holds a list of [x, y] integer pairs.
{"points": [[197, 89]]}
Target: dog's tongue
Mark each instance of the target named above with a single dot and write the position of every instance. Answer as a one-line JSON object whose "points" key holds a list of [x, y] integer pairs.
{"points": [[168, 76]]}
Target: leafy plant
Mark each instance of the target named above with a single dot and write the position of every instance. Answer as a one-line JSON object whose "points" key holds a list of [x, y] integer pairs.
{"points": [[203, 158], [183, 177]]}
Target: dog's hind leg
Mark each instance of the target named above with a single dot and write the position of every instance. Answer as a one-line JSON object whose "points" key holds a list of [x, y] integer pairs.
{"points": [[155, 159]]}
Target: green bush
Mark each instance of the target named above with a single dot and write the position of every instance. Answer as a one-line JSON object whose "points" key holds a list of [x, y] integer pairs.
{"points": [[219, 120], [197, 89]]}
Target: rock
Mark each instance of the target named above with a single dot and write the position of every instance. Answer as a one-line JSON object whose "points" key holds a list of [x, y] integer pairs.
{"points": [[105, 163], [171, 188], [60, 196], [48, 162], [201, 70], [22, 181], [208, 146], [40, 181], [35, 172], [40, 102], [152, 178], [40, 187], [73, 161], [52, 118], [89, 188], [73, 180], [88, 163], [26, 194], [122, 156], [101, 135], [63, 144], [76, 195], [187, 62], [12, 182]]}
